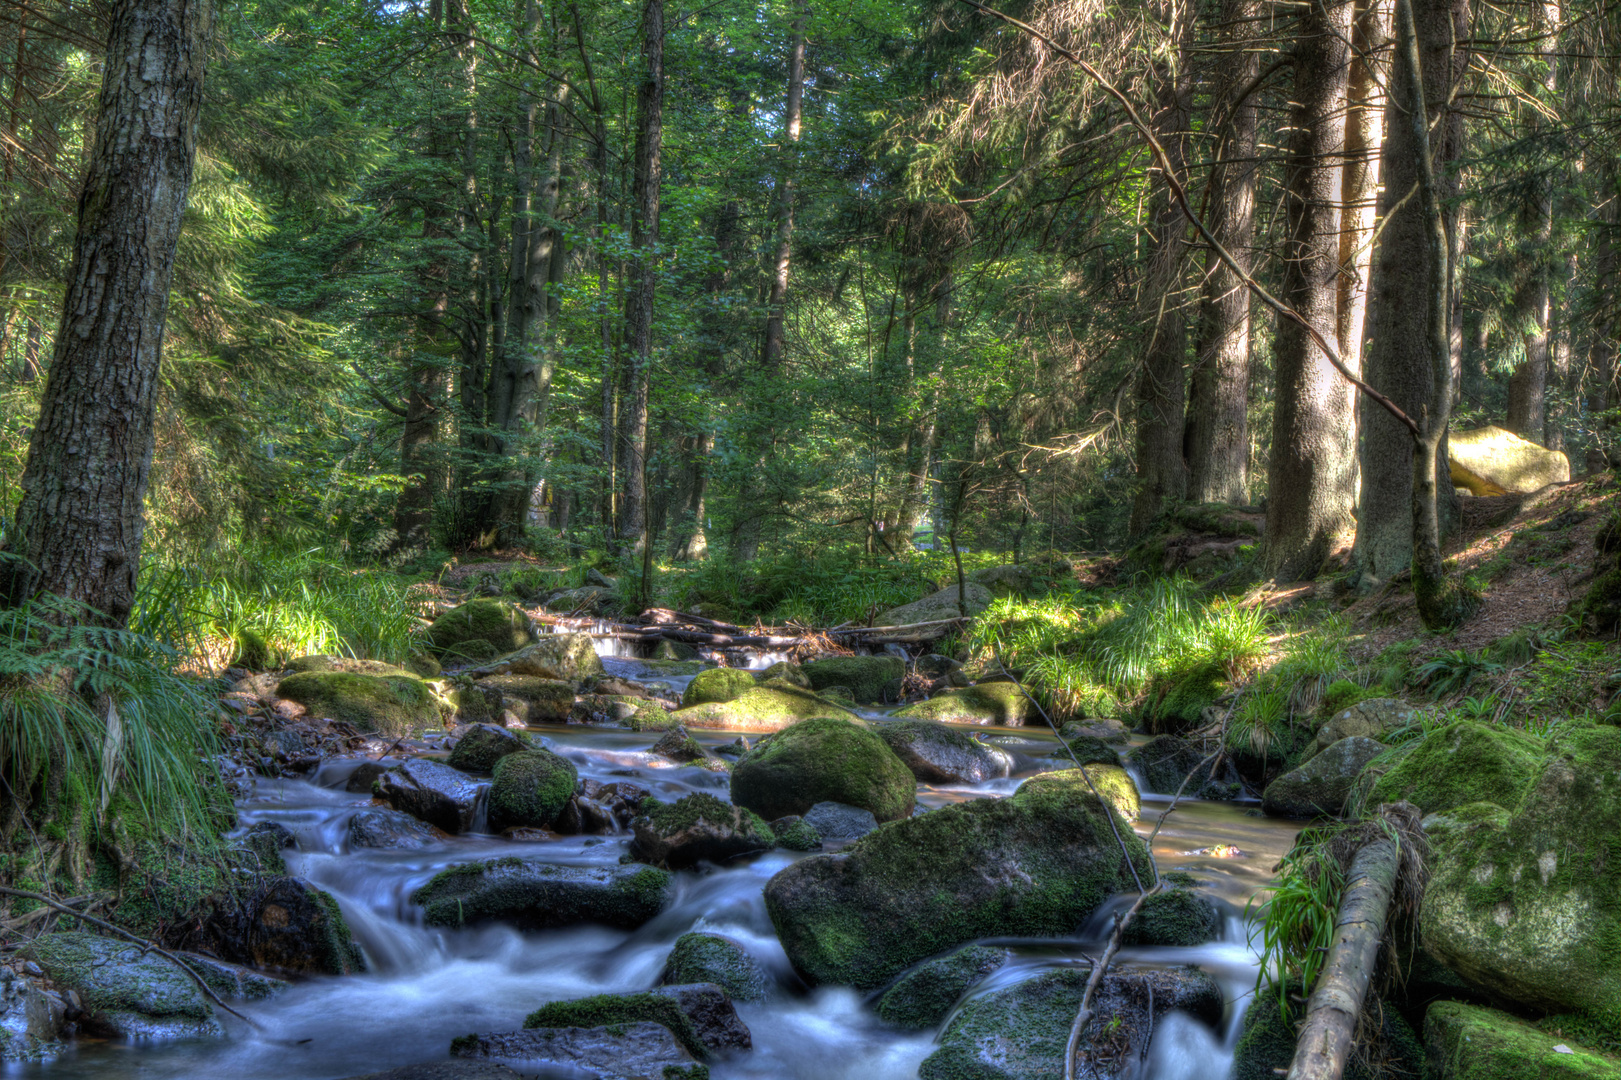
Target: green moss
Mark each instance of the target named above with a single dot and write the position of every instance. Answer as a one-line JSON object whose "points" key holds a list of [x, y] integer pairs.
{"points": [[478, 630], [1343, 693], [1466, 1042], [759, 709], [698, 807], [393, 704], [869, 678], [798, 835], [1090, 750], [1176, 918], [1001, 703], [530, 788], [1112, 783], [790, 673], [1177, 699], [1464, 762], [482, 747], [823, 760], [710, 958], [113, 977], [1266, 1045], [541, 895], [604, 1009], [252, 651], [538, 700], [923, 996], [717, 685]]}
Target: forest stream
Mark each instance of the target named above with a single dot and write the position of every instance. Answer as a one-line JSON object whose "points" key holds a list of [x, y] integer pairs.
{"points": [[427, 986]]}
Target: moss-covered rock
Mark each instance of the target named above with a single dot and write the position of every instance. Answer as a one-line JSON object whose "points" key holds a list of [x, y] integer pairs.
{"points": [[1165, 762], [1462, 763], [534, 699], [535, 895], [349, 664], [697, 828], [717, 685], [1493, 461], [1020, 1032], [944, 604], [937, 754], [530, 789], [673, 650], [1526, 901], [1001, 703], [788, 672], [125, 992], [1466, 1042], [760, 709], [1035, 864], [615, 710], [1600, 607], [636, 1049], [711, 958], [823, 759], [1177, 699], [869, 678], [569, 657], [250, 650], [923, 996], [299, 928], [1088, 750], [1112, 783], [602, 1010], [483, 745], [392, 704], [1322, 785], [1373, 718], [794, 833], [679, 746], [1266, 1044], [1175, 917], [478, 630]]}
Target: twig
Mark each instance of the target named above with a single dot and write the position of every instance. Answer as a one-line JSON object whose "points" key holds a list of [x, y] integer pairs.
{"points": [[146, 945]]}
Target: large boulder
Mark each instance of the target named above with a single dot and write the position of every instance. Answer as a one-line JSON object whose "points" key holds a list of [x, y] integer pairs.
{"points": [[1491, 461], [1466, 1042], [1371, 719], [533, 698], [1462, 763], [1525, 900], [638, 714], [125, 991], [1020, 1032], [763, 708], [374, 827], [1176, 918], [31, 1020], [869, 679], [1036, 864], [820, 760], [1165, 763], [482, 745], [300, 929], [1322, 785], [478, 630], [923, 996], [937, 754], [569, 657], [530, 789], [430, 791], [635, 1051], [835, 821], [1111, 783], [535, 895], [786, 671], [711, 958], [699, 1015], [1000, 703], [396, 704], [697, 828], [940, 605], [717, 685]]}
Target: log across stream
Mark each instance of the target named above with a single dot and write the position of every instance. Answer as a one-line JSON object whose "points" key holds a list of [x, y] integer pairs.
{"points": [[428, 986]]}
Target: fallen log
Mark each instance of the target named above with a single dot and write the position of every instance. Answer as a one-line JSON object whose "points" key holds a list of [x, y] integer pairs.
{"points": [[1336, 1002]]}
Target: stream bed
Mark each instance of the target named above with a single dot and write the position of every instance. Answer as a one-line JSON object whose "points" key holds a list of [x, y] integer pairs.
{"points": [[427, 986]]}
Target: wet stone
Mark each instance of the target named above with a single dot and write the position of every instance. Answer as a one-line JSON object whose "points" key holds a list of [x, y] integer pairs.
{"points": [[537, 895], [639, 1051], [431, 792], [374, 827], [836, 821]]}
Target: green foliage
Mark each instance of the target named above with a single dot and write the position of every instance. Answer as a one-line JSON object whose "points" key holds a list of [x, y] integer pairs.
{"points": [[61, 678], [1259, 720], [1296, 926], [1452, 671]]}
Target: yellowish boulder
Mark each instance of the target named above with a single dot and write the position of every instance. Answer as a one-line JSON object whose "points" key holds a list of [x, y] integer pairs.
{"points": [[1491, 461]]}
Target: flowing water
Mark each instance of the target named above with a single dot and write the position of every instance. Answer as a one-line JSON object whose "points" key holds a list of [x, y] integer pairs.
{"points": [[426, 987]]}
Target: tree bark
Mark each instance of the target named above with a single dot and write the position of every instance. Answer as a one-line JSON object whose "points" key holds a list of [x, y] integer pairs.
{"points": [[1218, 441], [77, 531], [777, 301], [1162, 474], [1311, 476], [1399, 360], [1364, 132], [644, 239]]}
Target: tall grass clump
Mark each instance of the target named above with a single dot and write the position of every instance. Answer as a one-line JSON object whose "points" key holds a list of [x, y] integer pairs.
{"points": [[92, 717]]}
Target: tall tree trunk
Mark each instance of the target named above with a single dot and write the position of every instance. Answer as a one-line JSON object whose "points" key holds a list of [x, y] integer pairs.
{"points": [[1311, 476], [1218, 441], [1399, 361], [1528, 386], [77, 531], [1600, 377], [777, 301], [1162, 474], [644, 238], [1364, 132]]}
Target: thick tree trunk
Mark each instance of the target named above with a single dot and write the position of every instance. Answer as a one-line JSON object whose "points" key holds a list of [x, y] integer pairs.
{"points": [[77, 531], [1218, 438], [777, 301], [1162, 474], [1364, 132], [1399, 360], [1600, 377], [1528, 386], [644, 238], [1311, 477]]}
